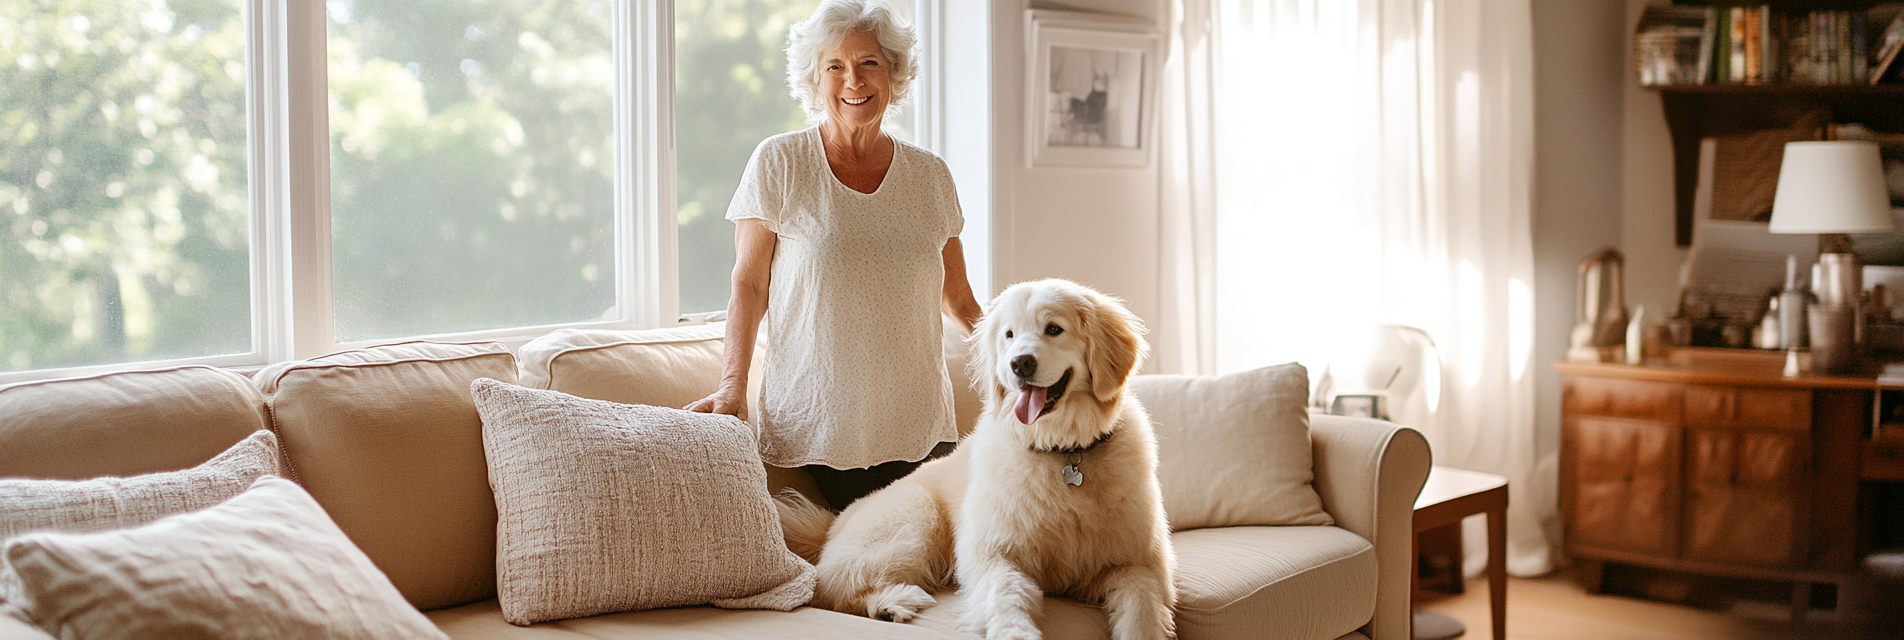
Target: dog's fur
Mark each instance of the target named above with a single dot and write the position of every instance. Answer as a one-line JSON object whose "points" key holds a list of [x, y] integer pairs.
{"points": [[995, 517]]}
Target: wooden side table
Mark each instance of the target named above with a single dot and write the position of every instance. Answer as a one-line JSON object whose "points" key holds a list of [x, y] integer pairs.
{"points": [[1453, 494]]}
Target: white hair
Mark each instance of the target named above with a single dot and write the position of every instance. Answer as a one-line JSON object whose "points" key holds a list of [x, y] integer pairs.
{"points": [[827, 27]]}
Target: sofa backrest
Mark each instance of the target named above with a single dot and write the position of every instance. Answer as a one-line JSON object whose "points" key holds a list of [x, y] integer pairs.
{"points": [[389, 442], [658, 367], [125, 423], [676, 366]]}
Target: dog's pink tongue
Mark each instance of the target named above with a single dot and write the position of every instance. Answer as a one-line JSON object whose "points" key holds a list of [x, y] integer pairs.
{"points": [[1031, 403]]}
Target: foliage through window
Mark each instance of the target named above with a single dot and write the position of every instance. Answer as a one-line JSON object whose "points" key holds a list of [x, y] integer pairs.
{"points": [[123, 205], [472, 165]]}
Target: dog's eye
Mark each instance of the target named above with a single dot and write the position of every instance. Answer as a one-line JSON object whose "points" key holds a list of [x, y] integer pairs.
{"points": [[1008, 334], [1053, 329]]}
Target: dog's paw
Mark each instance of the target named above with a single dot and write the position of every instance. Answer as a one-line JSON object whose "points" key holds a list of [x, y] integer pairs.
{"points": [[899, 603]]}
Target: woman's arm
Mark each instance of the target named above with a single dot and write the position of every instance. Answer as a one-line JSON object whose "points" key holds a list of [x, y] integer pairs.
{"points": [[753, 270], [957, 294]]}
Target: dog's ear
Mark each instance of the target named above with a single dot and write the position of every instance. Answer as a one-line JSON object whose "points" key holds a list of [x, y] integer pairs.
{"points": [[981, 358], [1116, 347]]}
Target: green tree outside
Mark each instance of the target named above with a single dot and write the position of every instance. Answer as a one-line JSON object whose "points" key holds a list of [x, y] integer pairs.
{"points": [[122, 182]]}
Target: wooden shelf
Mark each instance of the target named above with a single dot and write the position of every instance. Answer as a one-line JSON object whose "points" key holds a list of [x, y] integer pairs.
{"points": [[1694, 112], [1785, 90]]}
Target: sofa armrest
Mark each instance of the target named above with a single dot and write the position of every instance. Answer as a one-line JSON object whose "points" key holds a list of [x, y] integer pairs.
{"points": [[1368, 473]]}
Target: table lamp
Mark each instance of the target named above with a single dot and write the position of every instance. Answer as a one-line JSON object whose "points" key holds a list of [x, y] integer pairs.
{"points": [[1833, 188]]}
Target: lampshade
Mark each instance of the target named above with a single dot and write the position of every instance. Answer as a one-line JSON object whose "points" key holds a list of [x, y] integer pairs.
{"points": [[1831, 187]]}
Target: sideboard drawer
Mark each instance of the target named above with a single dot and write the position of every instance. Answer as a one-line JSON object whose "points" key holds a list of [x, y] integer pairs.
{"points": [[1757, 407], [1638, 399], [1883, 460]]}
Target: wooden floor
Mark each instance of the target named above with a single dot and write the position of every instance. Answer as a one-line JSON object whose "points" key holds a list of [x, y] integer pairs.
{"points": [[1556, 608]]}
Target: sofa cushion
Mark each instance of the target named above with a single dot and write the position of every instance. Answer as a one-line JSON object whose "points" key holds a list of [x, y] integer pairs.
{"points": [[607, 507], [659, 367], [115, 503], [388, 440], [1304, 582], [483, 621], [1236, 582], [125, 423], [264, 564], [1234, 449]]}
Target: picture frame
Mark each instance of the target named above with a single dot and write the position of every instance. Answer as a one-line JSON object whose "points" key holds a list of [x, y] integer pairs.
{"points": [[1091, 84]]}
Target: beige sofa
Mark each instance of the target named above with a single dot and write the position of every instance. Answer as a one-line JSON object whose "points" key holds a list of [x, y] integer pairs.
{"points": [[388, 441]]}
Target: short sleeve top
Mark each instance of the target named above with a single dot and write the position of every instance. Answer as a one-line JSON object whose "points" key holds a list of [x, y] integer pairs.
{"points": [[853, 373]]}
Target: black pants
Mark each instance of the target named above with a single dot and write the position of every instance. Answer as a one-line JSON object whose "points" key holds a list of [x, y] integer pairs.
{"points": [[840, 487]]}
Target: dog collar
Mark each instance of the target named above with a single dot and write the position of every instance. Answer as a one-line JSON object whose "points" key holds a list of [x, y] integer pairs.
{"points": [[1079, 450], [1073, 472]]}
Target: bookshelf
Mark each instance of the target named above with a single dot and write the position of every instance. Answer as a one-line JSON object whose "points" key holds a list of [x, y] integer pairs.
{"points": [[1695, 111]]}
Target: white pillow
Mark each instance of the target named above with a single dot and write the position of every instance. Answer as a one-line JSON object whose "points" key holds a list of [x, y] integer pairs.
{"points": [[1234, 449], [605, 507], [116, 503], [265, 564]]}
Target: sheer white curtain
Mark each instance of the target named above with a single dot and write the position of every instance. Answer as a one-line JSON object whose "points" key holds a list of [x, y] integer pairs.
{"points": [[1334, 164]]}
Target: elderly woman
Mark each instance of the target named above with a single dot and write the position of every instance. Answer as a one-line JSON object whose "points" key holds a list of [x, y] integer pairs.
{"points": [[847, 243]]}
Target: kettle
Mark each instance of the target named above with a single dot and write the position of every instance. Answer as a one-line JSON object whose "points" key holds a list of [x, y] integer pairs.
{"points": [[1599, 331]]}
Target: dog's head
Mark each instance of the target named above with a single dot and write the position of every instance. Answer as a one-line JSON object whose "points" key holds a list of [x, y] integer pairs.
{"points": [[1045, 347]]}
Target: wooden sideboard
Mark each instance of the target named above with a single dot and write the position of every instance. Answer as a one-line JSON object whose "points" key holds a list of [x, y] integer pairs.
{"points": [[1713, 463]]}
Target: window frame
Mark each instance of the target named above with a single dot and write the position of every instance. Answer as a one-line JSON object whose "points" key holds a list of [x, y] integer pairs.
{"points": [[287, 107]]}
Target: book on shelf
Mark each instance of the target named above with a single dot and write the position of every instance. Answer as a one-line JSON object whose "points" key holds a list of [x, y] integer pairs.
{"points": [[1677, 44]]}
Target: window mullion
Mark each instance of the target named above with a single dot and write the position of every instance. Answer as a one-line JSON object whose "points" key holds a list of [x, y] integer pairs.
{"points": [[647, 258], [304, 246], [266, 98]]}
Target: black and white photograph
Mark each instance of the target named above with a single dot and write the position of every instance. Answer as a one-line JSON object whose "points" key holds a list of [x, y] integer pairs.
{"points": [[1094, 99], [1089, 93]]}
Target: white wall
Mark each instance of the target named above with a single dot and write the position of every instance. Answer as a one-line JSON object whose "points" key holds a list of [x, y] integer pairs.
{"points": [[1581, 82], [1098, 226], [1646, 213]]}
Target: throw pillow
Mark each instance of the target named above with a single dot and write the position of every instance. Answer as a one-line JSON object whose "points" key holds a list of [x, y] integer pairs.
{"points": [[605, 507], [267, 563], [1234, 449], [115, 503]]}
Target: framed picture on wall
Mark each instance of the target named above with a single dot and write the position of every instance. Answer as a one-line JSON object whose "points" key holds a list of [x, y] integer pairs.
{"points": [[1090, 90]]}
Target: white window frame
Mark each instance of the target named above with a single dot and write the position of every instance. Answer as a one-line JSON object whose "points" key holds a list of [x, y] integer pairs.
{"points": [[287, 103], [302, 326]]}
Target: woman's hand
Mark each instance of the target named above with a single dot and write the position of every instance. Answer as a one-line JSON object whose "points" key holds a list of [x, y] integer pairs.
{"points": [[725, 401]]}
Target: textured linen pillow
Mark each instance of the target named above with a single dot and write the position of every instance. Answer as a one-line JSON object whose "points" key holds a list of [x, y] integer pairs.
{"points": [[267, 563], [605, 507], [115, 503], [1234, 449]]}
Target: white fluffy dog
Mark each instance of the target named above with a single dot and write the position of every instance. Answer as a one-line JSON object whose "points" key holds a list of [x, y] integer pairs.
{"points": [[1055, 492]]}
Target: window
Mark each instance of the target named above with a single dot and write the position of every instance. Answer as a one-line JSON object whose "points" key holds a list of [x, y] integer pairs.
{"points": [[471, 172], [123, 189], [237, 182]]}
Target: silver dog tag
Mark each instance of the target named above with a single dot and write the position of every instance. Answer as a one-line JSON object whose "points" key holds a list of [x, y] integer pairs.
{"points": [[1072, 476]]}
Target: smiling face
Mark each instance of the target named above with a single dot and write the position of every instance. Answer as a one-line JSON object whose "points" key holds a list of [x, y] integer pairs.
{"points": [[1041, 349], [855, 82]]}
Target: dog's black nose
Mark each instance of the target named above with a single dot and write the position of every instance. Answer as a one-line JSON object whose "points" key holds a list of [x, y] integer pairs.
{"points": [[1025, 366]]}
